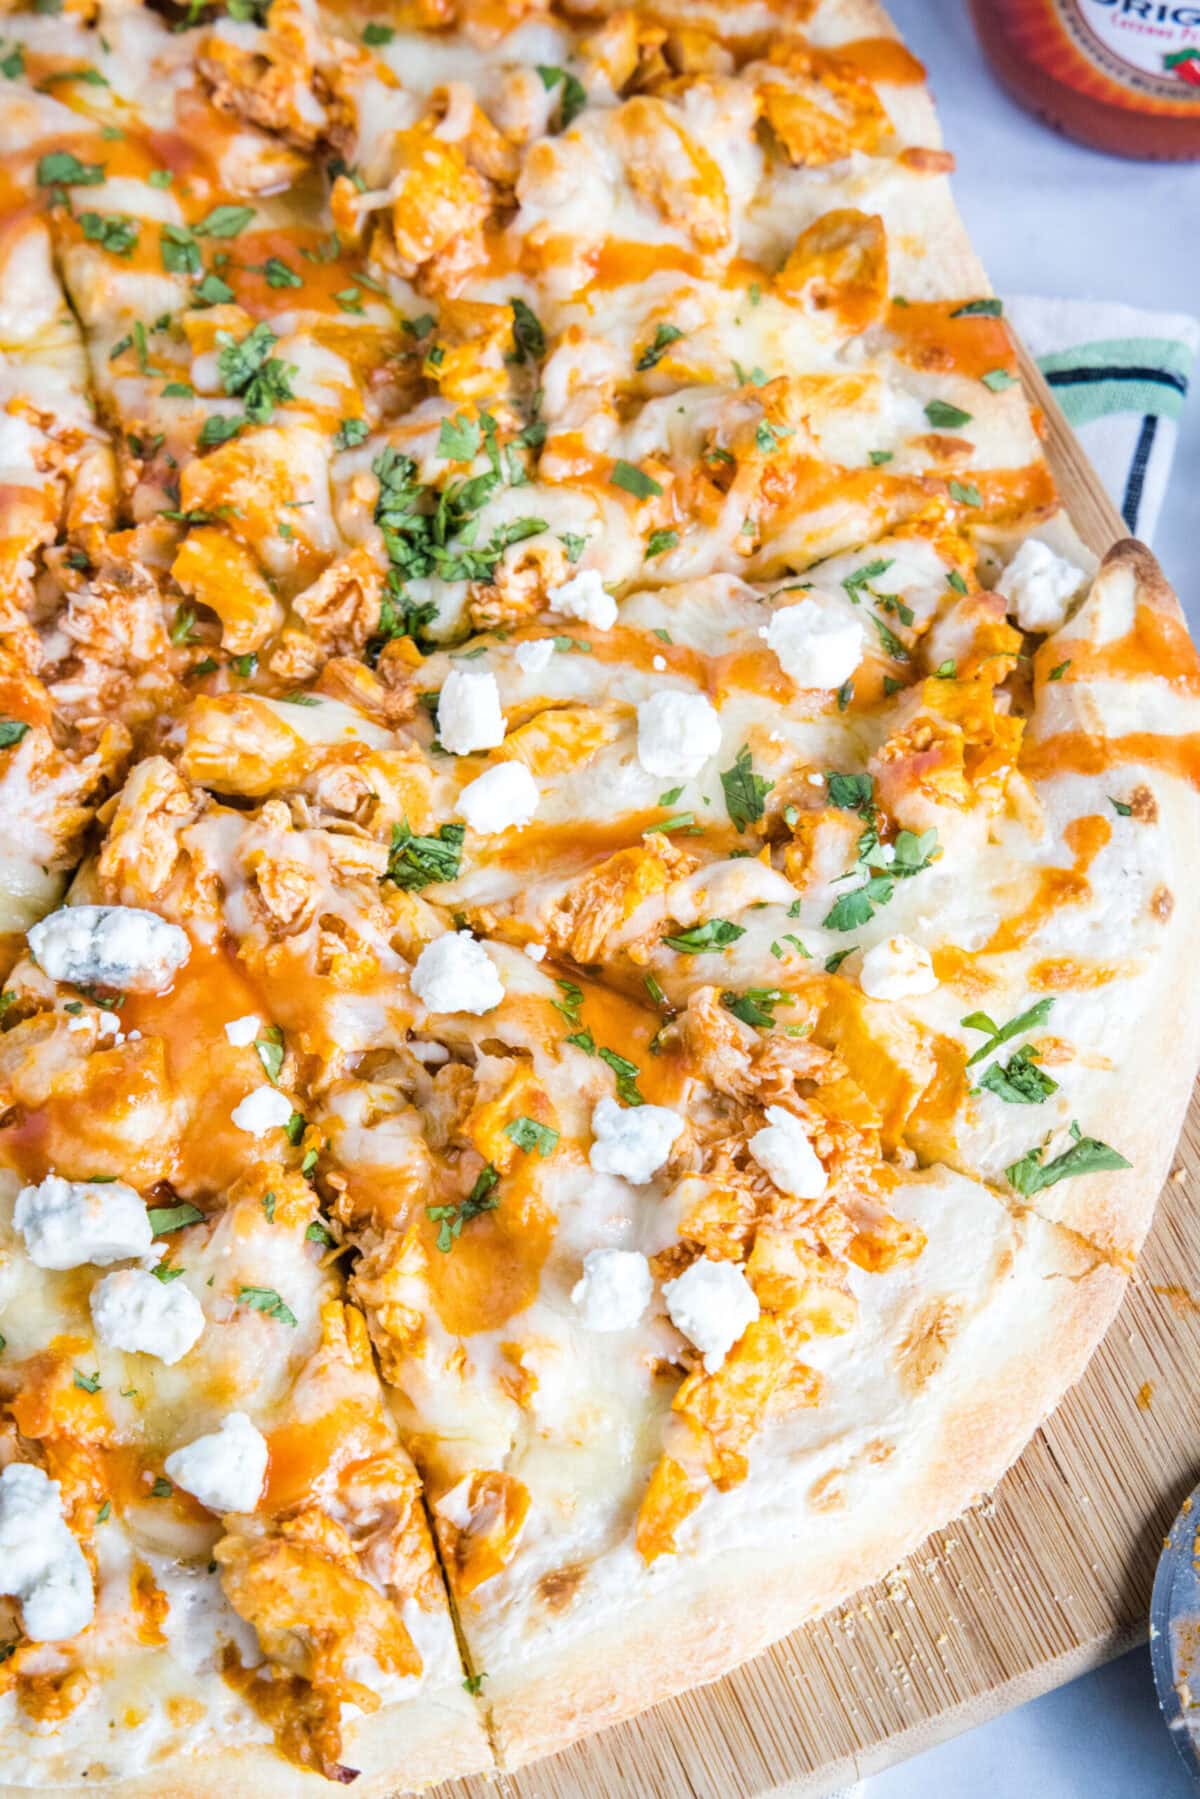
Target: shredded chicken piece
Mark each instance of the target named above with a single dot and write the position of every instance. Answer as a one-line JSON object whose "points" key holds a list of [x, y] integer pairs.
{"points": [[117, 615], [671, 170], [594, 907], [341, 608], [273, 81], [315, 1614]]}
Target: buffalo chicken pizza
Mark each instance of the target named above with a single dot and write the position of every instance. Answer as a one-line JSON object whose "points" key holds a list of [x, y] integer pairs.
{"points": [[595, 885]]}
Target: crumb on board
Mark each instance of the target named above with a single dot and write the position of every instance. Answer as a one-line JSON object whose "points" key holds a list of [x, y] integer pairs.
{"points": [[1178, 1296], [1145, 1395]]}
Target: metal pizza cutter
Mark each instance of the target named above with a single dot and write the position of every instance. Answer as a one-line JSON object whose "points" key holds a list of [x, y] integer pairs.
{"points": [[1175, 1632]]}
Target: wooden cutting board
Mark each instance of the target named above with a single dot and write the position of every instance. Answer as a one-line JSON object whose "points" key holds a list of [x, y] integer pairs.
{"points": [[1047, 1577]]}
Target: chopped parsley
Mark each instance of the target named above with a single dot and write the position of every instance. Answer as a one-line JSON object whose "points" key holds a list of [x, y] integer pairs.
{"points": [[459, 438], [182, 625], [664, 337], [862, 577], [756, 1005], [997, 1034], [224, 221], [911, 854], [419, 525], [450, 1219], [529, 337], [943, 416], [1122, 808], [966, 493], [1019, 1080], [349, 434], [248, 370], [90, 1383], [990, 308], [59, 168], [87, 74], [715, 933], [573, 98], [998, 379], [528, 1134], [633, 480], [571, 1003], [891, 644], [654, 989], [745, 792], [317, 1233], [659, 542], [267, 1301], [269, 1048], [165, 1219], [626, 1073], [278, 273], [111, 230], [850, 793], [1087, 1155], [212, 291], [11, 731], [415, 862]]}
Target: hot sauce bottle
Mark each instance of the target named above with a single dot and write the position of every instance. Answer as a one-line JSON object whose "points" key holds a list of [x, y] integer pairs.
{"points": [[1121, 75]]}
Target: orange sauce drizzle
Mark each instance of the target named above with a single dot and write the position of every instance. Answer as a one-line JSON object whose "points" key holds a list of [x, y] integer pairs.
{"points": [[1157, 646], [929, 337], [1082, 753], [1085, 838]]}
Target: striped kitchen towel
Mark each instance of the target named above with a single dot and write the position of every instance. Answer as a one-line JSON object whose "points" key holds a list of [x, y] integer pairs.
{"points": [[1121, 377]]}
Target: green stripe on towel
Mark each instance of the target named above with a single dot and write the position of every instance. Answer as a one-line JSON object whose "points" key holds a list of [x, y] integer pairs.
{"points": [[1089, 383]]}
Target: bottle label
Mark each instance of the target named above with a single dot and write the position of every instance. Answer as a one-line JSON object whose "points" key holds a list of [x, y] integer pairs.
{"points": [[1151, 46]]}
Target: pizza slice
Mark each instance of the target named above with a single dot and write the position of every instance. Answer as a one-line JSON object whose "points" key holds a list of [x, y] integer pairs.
{"points": [[217, 1562]]}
